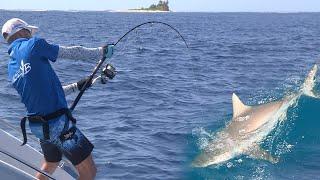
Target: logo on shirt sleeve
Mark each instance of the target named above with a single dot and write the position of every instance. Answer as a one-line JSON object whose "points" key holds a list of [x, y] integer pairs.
{"points": [[24, 69]]}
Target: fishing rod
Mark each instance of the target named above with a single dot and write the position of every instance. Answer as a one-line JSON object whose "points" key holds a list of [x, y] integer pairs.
{"points": [[109, 68], [153, 22], [84, 87]]}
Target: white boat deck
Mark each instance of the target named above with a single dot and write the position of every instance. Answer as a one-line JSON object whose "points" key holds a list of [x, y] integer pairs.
{"points": [[20, 162]]}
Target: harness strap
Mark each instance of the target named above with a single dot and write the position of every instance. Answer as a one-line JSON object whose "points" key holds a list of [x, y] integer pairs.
{"points": [[46, 130], [56, 114], [45, 122], [23, 129]]}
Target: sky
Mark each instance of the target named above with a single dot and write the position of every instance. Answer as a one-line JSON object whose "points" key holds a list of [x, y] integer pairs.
{"points": [[175, 5]]}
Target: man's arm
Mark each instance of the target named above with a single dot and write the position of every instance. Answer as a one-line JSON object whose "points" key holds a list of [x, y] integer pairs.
{"points": [[69, 89], [51, 51], [75, 87], [80, 53], [108, 72]]}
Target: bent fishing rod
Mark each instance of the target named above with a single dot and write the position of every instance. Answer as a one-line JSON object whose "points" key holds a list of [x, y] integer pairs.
{"points": [[153, 22], [101, 61]]}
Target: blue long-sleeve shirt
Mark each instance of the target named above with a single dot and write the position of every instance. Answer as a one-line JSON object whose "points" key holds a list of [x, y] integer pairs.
{"points": [[31, 74]]}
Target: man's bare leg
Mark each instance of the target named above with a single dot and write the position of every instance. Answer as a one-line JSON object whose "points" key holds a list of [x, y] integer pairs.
{"points": [[47, 167], [87, 169]]}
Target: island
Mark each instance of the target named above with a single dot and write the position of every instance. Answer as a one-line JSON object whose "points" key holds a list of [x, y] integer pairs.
{"points": [[162, 6]]}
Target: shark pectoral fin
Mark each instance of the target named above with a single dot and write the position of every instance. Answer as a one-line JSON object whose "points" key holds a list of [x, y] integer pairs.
{"points": [[259, 153], [311, 94], [238, 106]]}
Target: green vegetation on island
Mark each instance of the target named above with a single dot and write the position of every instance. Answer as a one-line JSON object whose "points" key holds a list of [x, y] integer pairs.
{"points": [[161, 6]]}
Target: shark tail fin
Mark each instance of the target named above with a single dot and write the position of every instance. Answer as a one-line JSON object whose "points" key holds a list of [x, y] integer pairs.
{"points": [[309, 83], [238, 106]]}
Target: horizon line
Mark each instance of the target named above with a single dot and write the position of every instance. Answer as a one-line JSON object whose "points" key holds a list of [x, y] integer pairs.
{"points": [[128, 10]]}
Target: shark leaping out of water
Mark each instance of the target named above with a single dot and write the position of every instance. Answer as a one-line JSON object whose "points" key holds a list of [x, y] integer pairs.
{"points": [[249, 126]]}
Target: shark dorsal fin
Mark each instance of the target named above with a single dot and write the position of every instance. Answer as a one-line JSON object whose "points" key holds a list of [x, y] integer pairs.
{"points": [[238, 106]]}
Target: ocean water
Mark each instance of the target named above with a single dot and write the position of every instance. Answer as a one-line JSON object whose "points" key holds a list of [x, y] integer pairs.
{"points": [[166, 100]]}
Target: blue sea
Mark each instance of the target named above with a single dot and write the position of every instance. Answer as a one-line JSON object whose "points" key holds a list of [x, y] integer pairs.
{"points": [[167, 101]]}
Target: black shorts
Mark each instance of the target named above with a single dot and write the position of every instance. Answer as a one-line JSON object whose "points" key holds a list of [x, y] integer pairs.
{"points": [[73, 145]]}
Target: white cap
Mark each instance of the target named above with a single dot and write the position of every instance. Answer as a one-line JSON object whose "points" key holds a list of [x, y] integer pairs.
{"points": [[14, 25]]}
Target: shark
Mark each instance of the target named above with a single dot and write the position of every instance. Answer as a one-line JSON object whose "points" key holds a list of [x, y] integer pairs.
{"points": [[249, 126]]}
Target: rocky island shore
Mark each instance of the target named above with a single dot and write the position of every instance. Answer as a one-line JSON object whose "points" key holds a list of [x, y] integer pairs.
{"points": [[162, 6]]}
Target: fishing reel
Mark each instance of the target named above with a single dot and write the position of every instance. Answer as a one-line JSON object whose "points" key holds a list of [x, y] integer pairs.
{"points": [[108, 72]]}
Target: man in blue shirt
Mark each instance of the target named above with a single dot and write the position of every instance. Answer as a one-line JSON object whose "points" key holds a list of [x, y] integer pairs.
{"points": [[31, 74]]}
